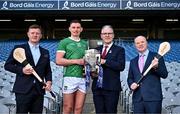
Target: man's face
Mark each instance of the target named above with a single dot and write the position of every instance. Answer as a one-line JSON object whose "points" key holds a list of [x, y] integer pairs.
{"points": [[141, 44], [34, 35], [75, 29], [107, 35]]}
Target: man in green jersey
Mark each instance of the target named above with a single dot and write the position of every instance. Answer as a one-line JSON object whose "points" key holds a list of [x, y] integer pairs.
{"points": [[70, 54]]}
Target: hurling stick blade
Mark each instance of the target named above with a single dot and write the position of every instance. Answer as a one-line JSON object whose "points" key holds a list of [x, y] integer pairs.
{"points": [[19, 55], [164, 48]]}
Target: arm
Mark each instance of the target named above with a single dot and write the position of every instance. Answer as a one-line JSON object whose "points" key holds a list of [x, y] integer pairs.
{"points": [[12, 65], [48, 76], [60, 60], [160, 69], [130, 80], [119, 63]]}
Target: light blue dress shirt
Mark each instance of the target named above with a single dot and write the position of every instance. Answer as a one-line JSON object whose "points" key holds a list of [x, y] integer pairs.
{"points": [[35, 52]]}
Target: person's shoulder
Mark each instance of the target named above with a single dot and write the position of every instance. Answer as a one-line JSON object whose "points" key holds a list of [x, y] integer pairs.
{"points": [[153, 53], [83, 40], [118, 47], [64, 40], [44, 49], [134, 59], [45, 52], [21, 45]]}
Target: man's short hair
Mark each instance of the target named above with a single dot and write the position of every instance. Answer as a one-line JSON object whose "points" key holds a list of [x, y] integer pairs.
{"points": [[75, 21], [35, 26]]}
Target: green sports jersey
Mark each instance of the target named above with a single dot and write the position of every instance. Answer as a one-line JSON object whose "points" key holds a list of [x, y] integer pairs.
{"points": [[73, 50]]}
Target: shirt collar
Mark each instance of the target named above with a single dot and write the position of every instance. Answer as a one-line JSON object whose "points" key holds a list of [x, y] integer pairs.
{"points": [[145, 53], [109, 45], [77, 40], [33, 46]]}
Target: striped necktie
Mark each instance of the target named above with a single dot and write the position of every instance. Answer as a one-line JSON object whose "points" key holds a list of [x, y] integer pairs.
{"points": [[104, 52]]}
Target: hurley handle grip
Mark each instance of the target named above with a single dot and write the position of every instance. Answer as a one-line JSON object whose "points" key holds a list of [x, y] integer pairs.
{"points": [[52, 94]]}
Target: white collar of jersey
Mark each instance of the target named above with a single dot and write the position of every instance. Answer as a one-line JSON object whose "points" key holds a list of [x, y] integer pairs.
{"points": [[77, 40]]}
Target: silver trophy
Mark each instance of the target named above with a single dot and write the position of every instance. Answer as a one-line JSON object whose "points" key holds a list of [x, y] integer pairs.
{"points": [[93, 58]]}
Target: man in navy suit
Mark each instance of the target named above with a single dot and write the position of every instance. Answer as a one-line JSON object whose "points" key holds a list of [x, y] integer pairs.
{"points": [[147, 96], [28, 90], [113, 61]]}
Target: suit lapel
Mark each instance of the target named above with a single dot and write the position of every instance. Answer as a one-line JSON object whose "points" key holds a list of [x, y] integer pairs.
{"points": [[109, 51], [148, 61], [29, 55], [101, 48], [41, 55], [136, 63]]}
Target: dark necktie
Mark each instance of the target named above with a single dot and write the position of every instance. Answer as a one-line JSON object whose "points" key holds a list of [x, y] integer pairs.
{"points": [[104, 52]]}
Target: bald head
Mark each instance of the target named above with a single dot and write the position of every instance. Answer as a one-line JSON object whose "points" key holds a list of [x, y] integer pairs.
{"points": [[141, 43], [139, 37]]}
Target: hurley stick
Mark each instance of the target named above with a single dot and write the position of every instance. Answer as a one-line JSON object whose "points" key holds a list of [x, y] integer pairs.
{"points": [[163, 49], [19, 55]]}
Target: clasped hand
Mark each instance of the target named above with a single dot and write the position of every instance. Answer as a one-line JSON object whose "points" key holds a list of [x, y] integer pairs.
{"points": [[28, 70]]}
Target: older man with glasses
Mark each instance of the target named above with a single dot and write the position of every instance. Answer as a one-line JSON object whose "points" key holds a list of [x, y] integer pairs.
{"points": [[112, 61]]}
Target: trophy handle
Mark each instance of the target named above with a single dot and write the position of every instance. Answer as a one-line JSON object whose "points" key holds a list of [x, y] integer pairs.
{"points": [[98, 57], [97, 68]]}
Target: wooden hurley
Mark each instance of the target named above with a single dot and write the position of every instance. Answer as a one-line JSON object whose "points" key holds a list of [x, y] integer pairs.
{"points": [[19, 55], [163, 49]]}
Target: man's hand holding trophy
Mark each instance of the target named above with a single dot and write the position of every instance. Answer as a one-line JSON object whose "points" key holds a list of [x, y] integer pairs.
{"points": [[93, 67], [93, 59]]}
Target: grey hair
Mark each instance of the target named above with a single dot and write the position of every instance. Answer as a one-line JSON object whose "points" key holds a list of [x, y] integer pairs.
{"points": [[108, 26]]}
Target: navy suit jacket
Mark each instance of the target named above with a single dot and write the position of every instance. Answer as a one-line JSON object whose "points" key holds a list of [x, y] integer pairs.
{"points": [[150, 87], [115, 62], [24, 83]]}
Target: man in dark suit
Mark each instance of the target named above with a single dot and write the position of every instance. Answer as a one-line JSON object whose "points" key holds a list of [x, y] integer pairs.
{"points": [[28, 90], [112, 61], [147, 96]]}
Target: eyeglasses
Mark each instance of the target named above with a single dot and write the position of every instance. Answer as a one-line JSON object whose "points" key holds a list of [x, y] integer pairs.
{"points": [[107, 33]]}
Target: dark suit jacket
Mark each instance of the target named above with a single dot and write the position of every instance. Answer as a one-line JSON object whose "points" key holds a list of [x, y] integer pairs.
{"points": [[150, 87], [24, 83], [115, 62]]}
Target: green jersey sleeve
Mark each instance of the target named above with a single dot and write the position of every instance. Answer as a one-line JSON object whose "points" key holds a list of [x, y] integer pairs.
{"points": [[62, 45]]}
